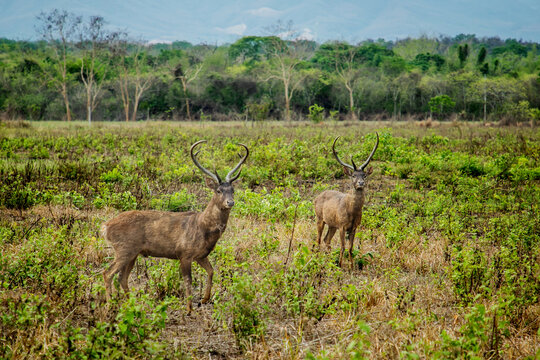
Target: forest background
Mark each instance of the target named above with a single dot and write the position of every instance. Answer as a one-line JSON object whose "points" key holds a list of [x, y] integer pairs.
{"points": [[80, 69]]}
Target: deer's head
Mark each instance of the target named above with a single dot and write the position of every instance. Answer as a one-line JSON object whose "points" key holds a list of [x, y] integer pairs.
{"points": [[223, 189], [358, 174]]}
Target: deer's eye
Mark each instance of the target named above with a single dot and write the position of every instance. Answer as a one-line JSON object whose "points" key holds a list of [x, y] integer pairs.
{"points": [[218, 191]]}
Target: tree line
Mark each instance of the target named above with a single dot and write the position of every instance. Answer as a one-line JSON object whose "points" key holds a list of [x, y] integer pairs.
{"points": [[79, 69]]}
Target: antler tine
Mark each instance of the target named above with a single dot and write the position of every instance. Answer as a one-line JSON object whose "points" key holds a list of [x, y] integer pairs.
{"points": [[370, 155], [228, 177], [353, 164], [196, 162], [337, 157], [217, 175]]}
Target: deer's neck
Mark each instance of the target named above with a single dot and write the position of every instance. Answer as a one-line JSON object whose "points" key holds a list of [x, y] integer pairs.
{"points": [[355, 200], [214, 217]]}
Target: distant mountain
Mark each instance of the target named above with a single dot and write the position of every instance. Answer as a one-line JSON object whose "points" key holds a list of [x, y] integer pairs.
{"points": [[224, 21]]}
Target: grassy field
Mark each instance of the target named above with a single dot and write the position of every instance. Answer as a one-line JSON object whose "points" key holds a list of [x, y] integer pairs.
{"points": [[447, 261]]}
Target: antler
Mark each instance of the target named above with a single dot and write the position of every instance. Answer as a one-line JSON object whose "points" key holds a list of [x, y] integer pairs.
{"points": [[370, 155], [206, 171], [353, 166], [228, 177], [337, 157]]}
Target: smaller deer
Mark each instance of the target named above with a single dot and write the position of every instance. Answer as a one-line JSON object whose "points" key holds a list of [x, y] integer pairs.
{"points": [[186, 236], [343, 211]]}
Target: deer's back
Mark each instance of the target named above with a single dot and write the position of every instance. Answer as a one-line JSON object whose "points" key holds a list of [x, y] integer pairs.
{"points": [[153, 233]]}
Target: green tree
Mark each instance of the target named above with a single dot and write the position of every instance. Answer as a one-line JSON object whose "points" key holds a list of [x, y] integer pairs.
{"points": [[250, 48], [459, 82], [182, 68], [463, 53], [441, 104], [481, 56], [347, 71], [495, 93], [427, 60], [410, 48]]}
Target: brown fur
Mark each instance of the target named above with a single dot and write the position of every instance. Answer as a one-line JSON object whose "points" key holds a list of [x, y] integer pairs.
{"points": [[342, 211], [187, 236]]}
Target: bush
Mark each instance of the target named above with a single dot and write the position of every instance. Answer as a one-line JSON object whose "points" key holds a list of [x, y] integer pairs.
{"points": [[247, 323], [179, 201], [134, 334], [17, 196], [316, 113]]}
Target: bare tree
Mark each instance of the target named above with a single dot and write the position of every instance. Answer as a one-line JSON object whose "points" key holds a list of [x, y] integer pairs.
{"points": [[59, 28], [134, 74], [348, 74], [92, 40], [186, 236], [286, 52], [186, 74], [142, 79]]}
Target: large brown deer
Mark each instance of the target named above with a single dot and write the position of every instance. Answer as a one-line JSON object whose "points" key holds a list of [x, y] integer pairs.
{"points": [[343, 211], [186, 236]]}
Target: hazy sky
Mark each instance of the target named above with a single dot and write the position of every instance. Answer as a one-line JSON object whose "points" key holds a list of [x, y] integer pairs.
{"points": [[218, 21]]}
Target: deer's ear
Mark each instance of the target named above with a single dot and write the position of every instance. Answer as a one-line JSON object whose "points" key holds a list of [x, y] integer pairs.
{"points": [[211, 184], [347, 171], [369, 170]]}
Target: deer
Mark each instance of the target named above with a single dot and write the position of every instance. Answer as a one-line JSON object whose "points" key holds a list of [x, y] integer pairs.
{"points": [[186, 236], [343, 211]]}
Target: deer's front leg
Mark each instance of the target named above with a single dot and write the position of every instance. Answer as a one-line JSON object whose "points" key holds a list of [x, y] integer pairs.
{"points": [[342, 238], [185, 266], [205, 264], [352, 233]]}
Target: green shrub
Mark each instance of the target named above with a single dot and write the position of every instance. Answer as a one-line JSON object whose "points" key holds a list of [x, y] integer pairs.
{"points": [[122, 201], [17, 196], [471, 167], [316, 113], [39, 152], [112, 176], [472, 340], [468, 271], [247, 322], [134, 334], [179, 201]]}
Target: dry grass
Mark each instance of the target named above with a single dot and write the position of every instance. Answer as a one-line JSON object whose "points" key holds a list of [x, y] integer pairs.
{"points": [[404, 293]]}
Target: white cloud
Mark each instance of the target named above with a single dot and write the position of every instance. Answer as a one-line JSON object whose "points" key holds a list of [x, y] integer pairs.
{"points": [[234, 30], [306, 34], [264, 12], [159, 41]]}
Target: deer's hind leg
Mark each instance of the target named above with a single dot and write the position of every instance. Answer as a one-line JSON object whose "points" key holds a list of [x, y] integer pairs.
{"points": [[120, 262], [107, 278], [320, 229], [124, 274], [329, 235]]}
